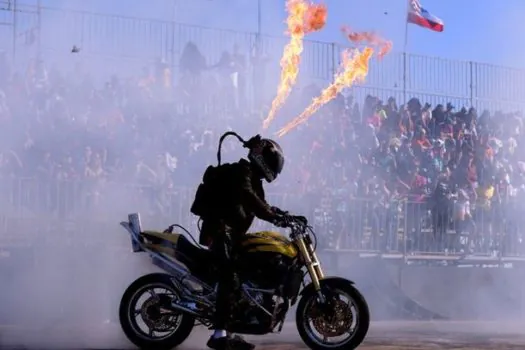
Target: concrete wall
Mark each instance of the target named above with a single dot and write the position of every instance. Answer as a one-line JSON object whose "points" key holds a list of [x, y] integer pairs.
{"points": [[460, 293]]}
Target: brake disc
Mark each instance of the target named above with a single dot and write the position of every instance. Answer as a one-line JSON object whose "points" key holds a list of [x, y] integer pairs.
{"points": [[336, 324], [152, 316]]}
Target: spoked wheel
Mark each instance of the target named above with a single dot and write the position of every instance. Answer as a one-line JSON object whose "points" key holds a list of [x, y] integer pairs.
{"points": [[341, 321], [145, 315]]}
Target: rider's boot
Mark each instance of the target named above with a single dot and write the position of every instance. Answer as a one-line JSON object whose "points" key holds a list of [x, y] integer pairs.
{"points": [[229, 343]]}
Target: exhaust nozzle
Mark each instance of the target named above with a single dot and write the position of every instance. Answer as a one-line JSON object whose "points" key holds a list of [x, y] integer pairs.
{"points": [[188, 307]]}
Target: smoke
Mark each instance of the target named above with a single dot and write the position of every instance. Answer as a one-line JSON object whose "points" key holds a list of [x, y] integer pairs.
{"points": [[67, 262], [78, 98]]}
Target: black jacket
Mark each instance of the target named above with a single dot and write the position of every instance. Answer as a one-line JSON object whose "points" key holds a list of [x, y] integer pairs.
{"points": [[231, 195]]}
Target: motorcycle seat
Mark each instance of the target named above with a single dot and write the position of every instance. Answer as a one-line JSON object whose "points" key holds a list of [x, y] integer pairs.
{"points": [[191, 252], [178, 243], [195, 258], [158, 236], [198, 260]]}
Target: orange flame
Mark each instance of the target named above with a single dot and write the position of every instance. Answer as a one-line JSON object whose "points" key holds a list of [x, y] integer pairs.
{"points": [[369, 38], [354, 69], [302, 18], [315, 17]]}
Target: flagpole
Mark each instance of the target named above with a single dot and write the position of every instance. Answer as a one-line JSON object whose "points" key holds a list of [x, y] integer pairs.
{"points": [[259, 19], [405, 47]]}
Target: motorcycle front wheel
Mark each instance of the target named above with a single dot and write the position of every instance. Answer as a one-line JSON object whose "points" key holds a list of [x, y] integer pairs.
{"points": [[145, 315], [340, 321]]}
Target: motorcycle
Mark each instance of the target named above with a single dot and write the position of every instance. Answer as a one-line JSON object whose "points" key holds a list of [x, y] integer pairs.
{"points": [[274, 273]]}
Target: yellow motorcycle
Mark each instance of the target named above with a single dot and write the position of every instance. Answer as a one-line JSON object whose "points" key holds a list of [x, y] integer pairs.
{"points": [[160, 310]]}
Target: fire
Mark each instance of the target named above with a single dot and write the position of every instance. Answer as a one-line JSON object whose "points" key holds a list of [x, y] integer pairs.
{"points": [[369, 38], [354, 69], [315, 17], [303, 18]]}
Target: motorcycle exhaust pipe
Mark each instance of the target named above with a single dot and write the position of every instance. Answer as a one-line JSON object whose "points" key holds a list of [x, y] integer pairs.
{"points": [[186, 307]]}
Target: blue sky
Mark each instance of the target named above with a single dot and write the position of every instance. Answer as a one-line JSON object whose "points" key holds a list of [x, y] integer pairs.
{"points": [[479, 30]]}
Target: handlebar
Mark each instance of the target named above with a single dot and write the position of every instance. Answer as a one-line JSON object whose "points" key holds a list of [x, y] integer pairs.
{"points": [[297, 220], [291, 221]]}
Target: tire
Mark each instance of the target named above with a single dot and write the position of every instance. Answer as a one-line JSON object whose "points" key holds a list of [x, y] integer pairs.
{"points": [[127, 314], [341, 286]]}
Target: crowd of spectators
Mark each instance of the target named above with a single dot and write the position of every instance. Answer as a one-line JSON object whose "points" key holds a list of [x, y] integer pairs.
{"points": [[441, 168], [458, 174]]}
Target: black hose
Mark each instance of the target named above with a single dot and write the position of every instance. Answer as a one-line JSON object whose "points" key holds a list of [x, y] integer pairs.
{"points": [[224, 136], [188, 233]]}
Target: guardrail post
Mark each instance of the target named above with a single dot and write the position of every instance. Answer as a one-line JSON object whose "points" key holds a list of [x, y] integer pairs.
{"points": [[471, 84], [404, 77], [405, 229], [334, 61]]}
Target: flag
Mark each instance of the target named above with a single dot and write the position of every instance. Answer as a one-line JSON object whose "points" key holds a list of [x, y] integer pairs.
{"points": [[421, 17]]}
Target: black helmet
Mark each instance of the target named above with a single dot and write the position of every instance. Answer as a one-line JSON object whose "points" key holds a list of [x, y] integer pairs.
{"points": [[267, 156]]}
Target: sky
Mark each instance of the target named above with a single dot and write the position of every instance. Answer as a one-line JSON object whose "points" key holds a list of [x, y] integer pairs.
{"points": [[475, 30]]}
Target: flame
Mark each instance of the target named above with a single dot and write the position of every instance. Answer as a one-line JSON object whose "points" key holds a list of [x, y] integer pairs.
{"points": [[354, 69], [315, 17], [369, 38], [303, 18]]}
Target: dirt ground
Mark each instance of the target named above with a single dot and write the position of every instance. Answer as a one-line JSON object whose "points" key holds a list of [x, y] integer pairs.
{"points": [[382, 336]]}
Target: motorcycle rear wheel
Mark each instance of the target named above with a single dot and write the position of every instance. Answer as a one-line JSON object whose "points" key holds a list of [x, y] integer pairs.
{"points": [[128, 313], [310, 319]]}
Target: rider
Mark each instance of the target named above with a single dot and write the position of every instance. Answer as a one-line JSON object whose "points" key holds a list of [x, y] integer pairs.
{"points": [[227, 201]]}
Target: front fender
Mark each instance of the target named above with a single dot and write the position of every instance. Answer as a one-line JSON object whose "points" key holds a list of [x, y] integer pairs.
{"points": [[334, 280]]}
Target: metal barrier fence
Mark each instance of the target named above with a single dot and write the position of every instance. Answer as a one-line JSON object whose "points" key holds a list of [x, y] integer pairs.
{"points": [[117, 44], [36, 211]]}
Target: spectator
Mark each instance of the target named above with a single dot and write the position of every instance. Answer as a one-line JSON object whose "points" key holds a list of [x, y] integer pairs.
{"points": [[445, 172]]}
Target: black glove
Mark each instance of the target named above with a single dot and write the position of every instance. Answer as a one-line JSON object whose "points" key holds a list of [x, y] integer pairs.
{"points": [[301, 219], [278, 211], [280, 221]]}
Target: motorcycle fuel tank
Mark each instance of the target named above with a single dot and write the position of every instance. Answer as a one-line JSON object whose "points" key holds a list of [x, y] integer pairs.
{"points": [[270, 242]]}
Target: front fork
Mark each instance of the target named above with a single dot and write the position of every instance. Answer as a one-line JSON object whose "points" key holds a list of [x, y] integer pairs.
{"points": [[311, 261]]}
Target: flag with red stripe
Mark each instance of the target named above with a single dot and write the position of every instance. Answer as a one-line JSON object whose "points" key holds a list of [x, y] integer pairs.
{"points": [[421, 17]]}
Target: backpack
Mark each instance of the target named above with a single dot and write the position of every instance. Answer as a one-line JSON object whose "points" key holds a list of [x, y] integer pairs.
{"points": [[211, 191]]}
